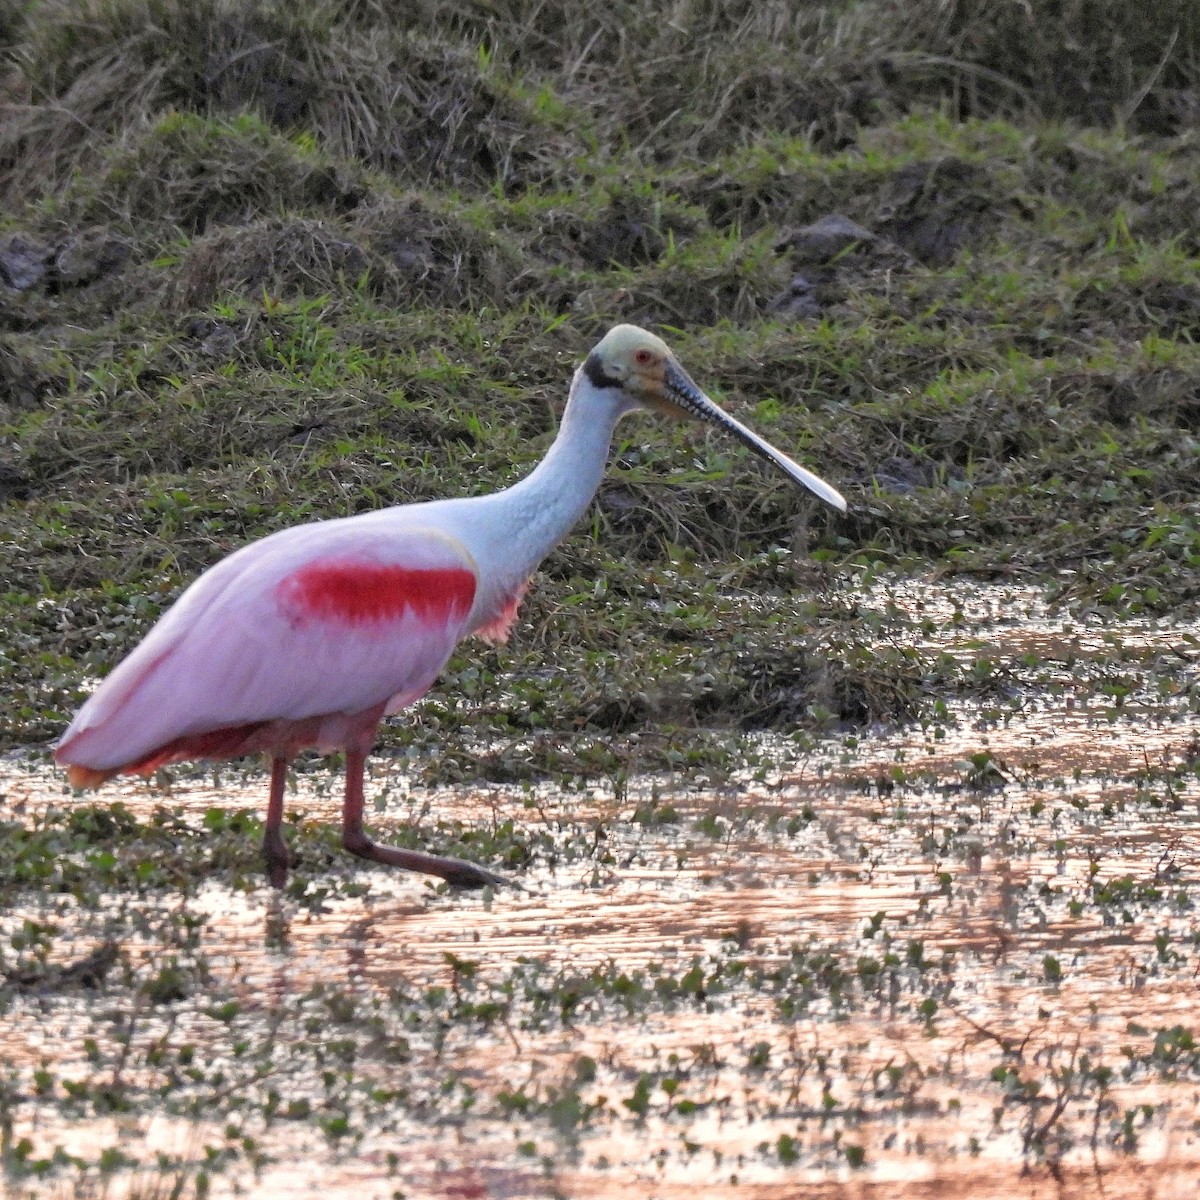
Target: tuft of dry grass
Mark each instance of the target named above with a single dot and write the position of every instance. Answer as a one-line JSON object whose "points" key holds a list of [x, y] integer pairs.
{"points": [[523, 93]]}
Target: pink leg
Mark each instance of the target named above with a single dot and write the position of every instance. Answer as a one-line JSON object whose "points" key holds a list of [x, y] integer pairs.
{"points": [[452, 870], [274, 847]]}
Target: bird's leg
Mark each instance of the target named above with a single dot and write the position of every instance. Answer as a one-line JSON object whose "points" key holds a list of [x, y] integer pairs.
{"points": [[274, 847], [452, 870]]}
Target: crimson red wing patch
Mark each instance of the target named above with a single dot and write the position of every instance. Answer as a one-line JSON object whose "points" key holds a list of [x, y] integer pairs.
{"points": [[348, 592]]}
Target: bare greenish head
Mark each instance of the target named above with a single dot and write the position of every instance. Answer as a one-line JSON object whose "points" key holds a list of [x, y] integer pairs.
{"points": [[643, 368]]}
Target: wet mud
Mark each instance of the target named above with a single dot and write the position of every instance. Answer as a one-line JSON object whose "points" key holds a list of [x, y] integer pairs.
{"points": [[952, 959]]}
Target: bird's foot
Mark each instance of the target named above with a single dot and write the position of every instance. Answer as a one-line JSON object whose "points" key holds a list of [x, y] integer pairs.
{"points": [[468, 874], [455, 871], [275, 851]]}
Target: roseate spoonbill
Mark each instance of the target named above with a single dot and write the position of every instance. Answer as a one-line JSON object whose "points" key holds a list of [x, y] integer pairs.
{"points": [[309, 637]]}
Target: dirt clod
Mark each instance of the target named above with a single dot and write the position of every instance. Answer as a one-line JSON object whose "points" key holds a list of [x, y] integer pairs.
{"points": [[24, 261]]}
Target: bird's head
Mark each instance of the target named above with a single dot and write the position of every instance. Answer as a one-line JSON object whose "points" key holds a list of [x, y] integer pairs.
{"points": [[642, 368]]}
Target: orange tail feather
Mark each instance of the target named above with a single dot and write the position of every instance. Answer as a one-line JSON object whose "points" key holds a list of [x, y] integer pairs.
{"points": [[84, 778]]}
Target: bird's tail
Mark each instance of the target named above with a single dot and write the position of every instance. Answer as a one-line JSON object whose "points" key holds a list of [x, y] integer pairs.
{"points": [[85, 778]]}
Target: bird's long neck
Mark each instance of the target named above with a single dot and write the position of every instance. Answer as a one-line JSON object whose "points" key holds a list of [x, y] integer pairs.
{"points": [[534, 515]]}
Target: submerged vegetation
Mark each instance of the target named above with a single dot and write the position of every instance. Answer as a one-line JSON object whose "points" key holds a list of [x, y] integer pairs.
{"points": [[263, 263]]}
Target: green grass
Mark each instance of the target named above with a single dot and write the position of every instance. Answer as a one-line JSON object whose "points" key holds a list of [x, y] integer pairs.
{"points": [[266, 296]]}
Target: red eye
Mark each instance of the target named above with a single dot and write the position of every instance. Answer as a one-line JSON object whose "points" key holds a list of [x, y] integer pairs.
{"points": [[643, 358]]}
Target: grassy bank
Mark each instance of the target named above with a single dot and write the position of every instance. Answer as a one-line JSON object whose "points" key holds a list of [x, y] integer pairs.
{"points": [[300, 261]]}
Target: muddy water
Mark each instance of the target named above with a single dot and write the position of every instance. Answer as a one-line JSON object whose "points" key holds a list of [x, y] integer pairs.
{"points": [[954, 960]]}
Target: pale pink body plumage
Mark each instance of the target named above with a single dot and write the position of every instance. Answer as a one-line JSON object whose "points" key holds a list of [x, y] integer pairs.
{"points": [[239, 653], [309, 637]]}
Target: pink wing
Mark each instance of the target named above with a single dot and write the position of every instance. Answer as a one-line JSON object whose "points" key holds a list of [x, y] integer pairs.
{"points": [[279, 644]]}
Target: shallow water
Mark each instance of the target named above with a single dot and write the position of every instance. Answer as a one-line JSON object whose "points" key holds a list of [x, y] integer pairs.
{"points": [[943, 961]]}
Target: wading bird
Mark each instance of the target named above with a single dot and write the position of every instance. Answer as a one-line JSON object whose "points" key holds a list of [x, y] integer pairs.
{"points": [[309, 637]]}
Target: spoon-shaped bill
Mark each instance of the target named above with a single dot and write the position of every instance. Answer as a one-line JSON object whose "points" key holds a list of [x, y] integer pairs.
{"points": [[693, 400]]}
